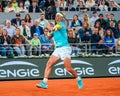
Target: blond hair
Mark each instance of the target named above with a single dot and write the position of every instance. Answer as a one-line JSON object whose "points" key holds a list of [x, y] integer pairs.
{"points": [[73, 33]]}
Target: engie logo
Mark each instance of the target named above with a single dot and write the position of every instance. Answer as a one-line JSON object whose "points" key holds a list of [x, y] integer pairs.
{"points": [[16, 69], [114, 67], [81, 67]]}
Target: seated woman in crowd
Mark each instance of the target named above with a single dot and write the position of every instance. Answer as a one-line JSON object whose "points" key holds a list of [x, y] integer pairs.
{"points": [[35, 48], [62, 5], [73, 40], [90, 3], [103, 6], [85, 33], [101, 31], [86, 19], [18, 41], [81, 7], [109, 41], [9, 8], [28, 20], [21, 8], [76, 23], [5, 48]]}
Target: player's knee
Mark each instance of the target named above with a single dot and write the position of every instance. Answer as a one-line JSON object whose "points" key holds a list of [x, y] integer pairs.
{"points": [[50, 64]]}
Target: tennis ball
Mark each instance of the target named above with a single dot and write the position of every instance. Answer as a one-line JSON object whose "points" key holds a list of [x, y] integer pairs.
{"points": [[58, 26]]}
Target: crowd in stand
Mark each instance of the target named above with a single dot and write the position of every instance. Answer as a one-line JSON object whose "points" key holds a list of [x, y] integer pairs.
{"points": [[52, 6], [27, 37]]}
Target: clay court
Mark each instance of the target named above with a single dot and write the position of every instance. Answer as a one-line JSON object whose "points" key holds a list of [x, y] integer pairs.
{"points": [[65, 87]]}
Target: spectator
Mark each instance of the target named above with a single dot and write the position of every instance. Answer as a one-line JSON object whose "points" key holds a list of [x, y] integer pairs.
{"points": [[57, 5], [103, 6], [95, 7], [41, 4], [10, 29], [25, 32], [109, 42], [21, 8], [76, 23], [86, 19], [73, 40], [9, 8], [6, 42], [99, 2], [27, 4], [1, 7], [34, 8], [19, 41], [70, 5], [107, 19], [43, 22], [90, 3], [94, 18], [51, 26], [112, 6], [16, 22], [96, 41], [101, 31], [118, 29], [70, 2], [50, 9], [113, 28], [85, 32], [63, 5], [112, 17], [5, 2], [81, 7], [28, 20], [75, 3], [102, 21], [70, 8], [15, 4], [46, 44], [36, 29], [35, 48], [24, 29]]}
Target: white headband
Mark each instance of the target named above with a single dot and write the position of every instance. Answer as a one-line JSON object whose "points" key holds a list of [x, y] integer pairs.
{"points": [[60, 14]]}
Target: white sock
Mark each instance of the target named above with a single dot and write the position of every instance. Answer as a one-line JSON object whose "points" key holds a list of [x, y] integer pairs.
{"points": [[78, 78], [45, 80]]}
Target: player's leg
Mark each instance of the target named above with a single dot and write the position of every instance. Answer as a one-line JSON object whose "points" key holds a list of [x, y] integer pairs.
{"points": [[67, 64], [53, 60]]}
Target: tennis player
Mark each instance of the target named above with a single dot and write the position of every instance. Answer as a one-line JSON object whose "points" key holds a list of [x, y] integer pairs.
{"points": [[62, 51]]}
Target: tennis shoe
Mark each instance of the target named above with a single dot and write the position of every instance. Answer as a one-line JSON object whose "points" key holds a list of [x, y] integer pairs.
{"points": [[80, 84], [42, 85]]}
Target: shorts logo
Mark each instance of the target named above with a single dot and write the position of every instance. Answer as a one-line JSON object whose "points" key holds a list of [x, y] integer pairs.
{"points": [[114, 67], [81, 67], [25, 69]]}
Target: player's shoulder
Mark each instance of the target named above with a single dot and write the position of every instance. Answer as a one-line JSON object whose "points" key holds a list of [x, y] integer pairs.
{"points": [[62, 24]]}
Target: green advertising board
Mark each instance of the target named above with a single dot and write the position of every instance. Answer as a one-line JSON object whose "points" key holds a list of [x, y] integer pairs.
{"points": [[16, 69]]}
